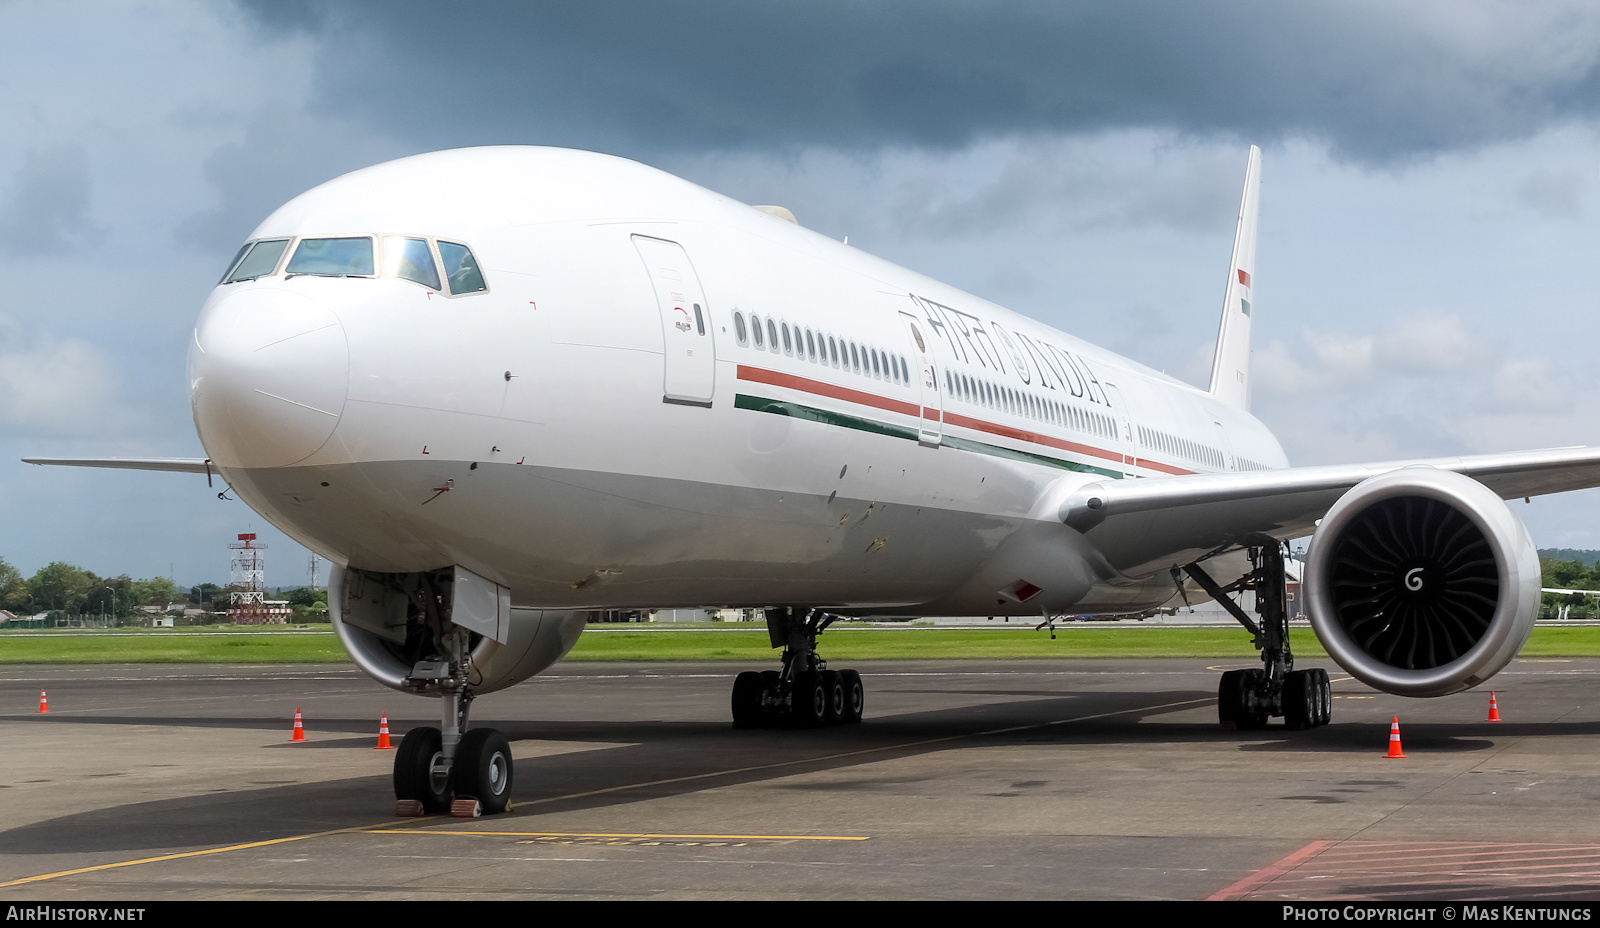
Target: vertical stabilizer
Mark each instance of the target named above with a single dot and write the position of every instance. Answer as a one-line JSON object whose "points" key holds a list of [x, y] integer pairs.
{"points": [[1230, 367]]}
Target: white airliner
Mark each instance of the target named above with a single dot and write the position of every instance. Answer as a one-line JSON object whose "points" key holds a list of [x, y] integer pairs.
{"points": [[497, 387]]}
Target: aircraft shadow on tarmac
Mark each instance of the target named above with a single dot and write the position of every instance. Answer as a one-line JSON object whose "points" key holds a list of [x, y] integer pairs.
{"points": [[661, 759]]}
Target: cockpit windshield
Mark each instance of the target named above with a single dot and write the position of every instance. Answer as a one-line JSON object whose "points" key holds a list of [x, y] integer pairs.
{"points": [[256, 260], [409, 259], [461, 268], [332, 257]]}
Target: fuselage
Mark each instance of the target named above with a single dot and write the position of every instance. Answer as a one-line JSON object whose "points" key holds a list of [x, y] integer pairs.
{"points": [[660, 396]]}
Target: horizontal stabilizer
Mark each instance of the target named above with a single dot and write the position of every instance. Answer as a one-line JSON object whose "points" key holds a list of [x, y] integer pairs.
{"points": [[175, 465]]}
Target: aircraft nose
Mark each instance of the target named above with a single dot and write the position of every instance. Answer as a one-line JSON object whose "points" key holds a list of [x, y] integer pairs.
{"points": [[268, 374]]}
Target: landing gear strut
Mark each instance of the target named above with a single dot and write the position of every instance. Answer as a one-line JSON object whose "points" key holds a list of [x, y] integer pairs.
{"points": [[436, 765], [805, 693], [1247, 698]]}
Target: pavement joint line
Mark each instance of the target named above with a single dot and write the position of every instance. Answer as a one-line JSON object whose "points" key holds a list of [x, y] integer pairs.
{"points": [[602, 834], [844, 754]]}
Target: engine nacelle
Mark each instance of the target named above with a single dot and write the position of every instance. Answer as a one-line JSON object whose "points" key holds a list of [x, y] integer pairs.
{"points": [[387, 646], [1421, 582]]}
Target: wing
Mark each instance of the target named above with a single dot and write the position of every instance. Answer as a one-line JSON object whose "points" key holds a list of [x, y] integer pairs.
{"points": [[1147, 525], [177, 465]]}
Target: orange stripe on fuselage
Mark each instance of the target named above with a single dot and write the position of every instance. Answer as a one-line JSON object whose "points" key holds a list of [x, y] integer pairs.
{"points": [[834, 391], [779, 379], [1148, 464]]}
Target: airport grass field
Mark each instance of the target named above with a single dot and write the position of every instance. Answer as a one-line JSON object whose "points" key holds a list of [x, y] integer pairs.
{"points": [[231, 645]]}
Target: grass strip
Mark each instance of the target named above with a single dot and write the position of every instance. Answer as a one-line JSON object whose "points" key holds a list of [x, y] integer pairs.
{"points": [[155, 647]]}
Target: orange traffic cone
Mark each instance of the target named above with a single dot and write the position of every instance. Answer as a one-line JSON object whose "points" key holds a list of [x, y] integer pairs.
{"points": [[1394, 738], [383, 735], [44, 704], [299, 729], [1494, 708]]}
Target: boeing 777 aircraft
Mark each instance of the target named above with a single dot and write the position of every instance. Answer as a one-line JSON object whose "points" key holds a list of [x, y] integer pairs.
{"points": [[497, 387]]}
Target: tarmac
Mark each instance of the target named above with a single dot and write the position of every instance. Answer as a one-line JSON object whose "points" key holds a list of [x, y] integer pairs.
{"points": [[1050, 779]]}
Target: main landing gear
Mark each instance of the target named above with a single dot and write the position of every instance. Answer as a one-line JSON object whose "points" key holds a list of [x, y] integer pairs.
{"points": [[805, 693], [1247, 698], [437, 765]]}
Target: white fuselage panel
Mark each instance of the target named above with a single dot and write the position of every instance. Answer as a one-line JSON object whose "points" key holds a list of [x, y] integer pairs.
{"points": [[599, 429]]}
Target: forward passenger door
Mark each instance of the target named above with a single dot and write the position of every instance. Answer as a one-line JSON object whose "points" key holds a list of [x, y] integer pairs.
{"points": [[930, 424], [688, 357]]}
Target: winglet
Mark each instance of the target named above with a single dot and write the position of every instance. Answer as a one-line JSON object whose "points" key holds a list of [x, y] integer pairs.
{"points": [[1230, 366]]}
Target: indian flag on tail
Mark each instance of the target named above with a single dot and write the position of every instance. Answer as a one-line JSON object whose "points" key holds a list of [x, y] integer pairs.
{"points": [[1244, 294]]}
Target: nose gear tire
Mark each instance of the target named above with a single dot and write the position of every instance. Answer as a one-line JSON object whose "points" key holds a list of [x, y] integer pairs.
{"points": [[483, 769], [420, 751]]}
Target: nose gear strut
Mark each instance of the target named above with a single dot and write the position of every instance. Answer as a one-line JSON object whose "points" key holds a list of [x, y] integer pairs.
{"points": [[435, 765]]}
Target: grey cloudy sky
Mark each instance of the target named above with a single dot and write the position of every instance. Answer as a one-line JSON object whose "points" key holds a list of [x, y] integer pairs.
{"points": [[1428, 275]]}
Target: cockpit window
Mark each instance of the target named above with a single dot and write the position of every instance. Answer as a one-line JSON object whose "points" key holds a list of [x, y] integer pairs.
{"points": [[332, 257], [409, 259], [228, 274], [461, 268], [256, 260]]}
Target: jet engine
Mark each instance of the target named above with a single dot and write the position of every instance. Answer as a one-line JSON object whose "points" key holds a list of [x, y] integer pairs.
{"points": [[1421, 582], [377, 621]]}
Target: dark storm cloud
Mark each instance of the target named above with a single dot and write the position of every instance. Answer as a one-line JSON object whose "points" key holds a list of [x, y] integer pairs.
{"points": [[1376, 82]]}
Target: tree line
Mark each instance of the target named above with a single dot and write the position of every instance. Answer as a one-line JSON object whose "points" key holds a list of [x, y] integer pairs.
{"points": [[1572, 574], [66, 589]]}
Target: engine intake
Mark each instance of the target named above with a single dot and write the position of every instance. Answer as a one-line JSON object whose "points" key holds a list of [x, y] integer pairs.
{"points": [[1421, 582]]}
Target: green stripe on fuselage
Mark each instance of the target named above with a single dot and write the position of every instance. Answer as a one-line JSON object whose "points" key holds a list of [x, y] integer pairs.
{"points": [[843, 420]]}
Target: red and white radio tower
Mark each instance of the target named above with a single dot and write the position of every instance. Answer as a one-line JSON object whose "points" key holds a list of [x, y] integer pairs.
{"points": [[247, 583]]}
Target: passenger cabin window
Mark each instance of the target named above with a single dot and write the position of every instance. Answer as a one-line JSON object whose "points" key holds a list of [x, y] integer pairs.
{"points": [[461, 269], [332, 257], [739, 331], [755, 325], [772, 335], [255, 260], [410, 259]]}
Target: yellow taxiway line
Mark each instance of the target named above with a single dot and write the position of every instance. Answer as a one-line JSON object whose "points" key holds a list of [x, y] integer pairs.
{"points": [[382, 829], [154, 860]]}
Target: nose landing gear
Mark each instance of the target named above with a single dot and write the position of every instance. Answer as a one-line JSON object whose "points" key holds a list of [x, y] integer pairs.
{"points": [[435, 765], [805, 693]]}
